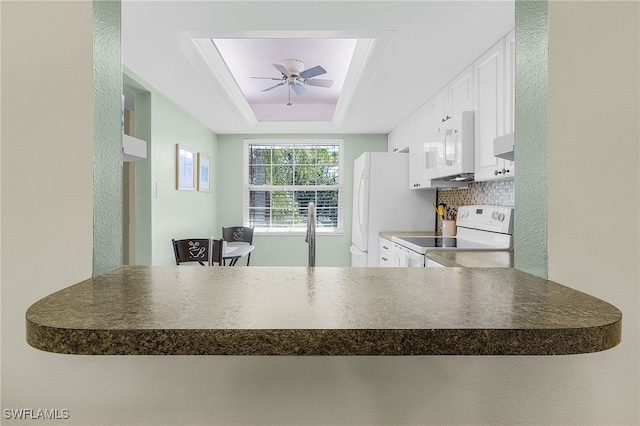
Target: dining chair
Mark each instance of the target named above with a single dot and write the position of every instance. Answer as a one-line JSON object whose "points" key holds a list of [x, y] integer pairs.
{"points": [[216, 252], [238, 234], [198, 250], [192, 250]]}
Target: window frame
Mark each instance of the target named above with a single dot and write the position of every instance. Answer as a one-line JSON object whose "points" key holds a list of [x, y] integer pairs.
{"points": [[246, 187]]}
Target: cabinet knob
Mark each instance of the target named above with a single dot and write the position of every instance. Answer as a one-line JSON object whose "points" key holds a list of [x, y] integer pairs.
{"points": [[446, 118], [496, 172]]}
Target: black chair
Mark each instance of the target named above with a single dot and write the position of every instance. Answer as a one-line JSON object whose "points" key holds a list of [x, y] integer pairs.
{"points": [[238, 234], [199, 250], [192, 250], [216, 252]]}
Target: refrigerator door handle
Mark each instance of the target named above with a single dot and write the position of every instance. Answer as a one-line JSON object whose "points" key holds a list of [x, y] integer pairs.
{"points": [[362, 205]]}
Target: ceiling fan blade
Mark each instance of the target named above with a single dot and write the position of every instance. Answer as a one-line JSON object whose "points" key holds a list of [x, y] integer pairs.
{"points": [[312, 72], [273, 87], [267, 78], [282, 70], [320, 82], [299, 89]]}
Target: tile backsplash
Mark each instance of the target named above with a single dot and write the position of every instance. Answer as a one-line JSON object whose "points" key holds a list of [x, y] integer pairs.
{"points": [[496, 193]]}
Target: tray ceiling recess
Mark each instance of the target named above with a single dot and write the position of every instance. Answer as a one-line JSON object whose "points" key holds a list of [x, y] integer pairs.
{"points": [[293, 82]]}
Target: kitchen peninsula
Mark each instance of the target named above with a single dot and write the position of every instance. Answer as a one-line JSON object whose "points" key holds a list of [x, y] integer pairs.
{"points": [[141, 310]]}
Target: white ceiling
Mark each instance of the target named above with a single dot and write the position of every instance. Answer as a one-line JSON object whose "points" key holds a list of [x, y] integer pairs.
{"points": [[250, 62], [406, 51]]}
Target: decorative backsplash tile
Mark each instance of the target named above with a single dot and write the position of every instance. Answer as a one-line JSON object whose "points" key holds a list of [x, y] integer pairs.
{"points": [[495, 193]]}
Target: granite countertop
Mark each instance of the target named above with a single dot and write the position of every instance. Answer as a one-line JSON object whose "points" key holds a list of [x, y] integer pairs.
{"points": [[473, 259], [186, 310], [389, 234]]}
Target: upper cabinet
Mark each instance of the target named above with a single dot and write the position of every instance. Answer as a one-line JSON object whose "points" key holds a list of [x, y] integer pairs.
{"points": [[494, 110], [437, 112], [510, 83], [421, 164], [398, 139], [460, 93], [436, 150], [436, 136]]}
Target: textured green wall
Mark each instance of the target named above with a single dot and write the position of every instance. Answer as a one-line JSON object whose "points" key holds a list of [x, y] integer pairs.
{"points": [[288, 250], [530, 241], [107, 138]]}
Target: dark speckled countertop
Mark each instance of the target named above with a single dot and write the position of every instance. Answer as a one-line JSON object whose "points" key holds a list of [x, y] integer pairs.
{"points": [[320, 311]]}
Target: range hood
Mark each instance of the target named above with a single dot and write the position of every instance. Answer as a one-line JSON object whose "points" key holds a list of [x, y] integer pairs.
{"points": [[504, 146], [453, 181]]}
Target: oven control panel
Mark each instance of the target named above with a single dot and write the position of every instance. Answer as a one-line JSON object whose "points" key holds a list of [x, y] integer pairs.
{"points": [[486, 218]]}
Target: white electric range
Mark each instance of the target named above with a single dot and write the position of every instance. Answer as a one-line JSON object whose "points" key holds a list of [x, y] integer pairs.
{"points": [[479, 227]]}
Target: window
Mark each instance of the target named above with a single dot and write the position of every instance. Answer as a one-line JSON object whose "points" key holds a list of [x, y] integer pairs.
{"points": [[281, 177]]}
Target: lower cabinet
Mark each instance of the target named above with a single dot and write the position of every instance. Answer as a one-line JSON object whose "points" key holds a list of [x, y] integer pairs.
{"points": [[394, 255], [391, 255], [386, 249]]}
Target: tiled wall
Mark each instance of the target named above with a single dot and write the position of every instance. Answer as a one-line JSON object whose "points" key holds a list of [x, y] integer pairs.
{"points": [[497, 193]]}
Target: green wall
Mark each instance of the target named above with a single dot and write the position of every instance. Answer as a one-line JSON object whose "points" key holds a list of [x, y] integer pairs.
{"points": [[530, 229], [162, 211], [288, 250], [107, 139]]}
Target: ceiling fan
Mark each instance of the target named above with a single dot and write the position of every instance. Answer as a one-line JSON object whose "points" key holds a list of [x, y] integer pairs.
{"points": [[296, 77]]}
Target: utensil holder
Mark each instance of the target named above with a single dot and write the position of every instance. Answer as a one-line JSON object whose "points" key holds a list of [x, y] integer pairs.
{"points": [[449, 228]]}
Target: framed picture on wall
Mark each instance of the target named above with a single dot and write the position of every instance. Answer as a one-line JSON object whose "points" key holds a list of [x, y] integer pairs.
{"points": [[185, 168], [204, 173]]}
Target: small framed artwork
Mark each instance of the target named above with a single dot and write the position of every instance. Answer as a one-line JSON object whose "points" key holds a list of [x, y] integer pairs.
{"points": [[185, 168], [204, 173]]}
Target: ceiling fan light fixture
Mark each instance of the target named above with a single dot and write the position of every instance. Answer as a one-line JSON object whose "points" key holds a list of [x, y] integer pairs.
{"points": [[294, 66], [296, 77]]}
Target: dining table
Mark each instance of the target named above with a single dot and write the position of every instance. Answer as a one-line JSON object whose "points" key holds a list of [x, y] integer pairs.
{"points": [[233, 253]]}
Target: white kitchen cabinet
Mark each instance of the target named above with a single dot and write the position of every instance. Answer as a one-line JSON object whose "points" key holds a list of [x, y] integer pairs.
{"points": [[437, 111], [427, 149], [457, 96], [419, 172], [493, 91], [510, 94], [460, 93], [387, 253], [398, 139], [392, 255]]}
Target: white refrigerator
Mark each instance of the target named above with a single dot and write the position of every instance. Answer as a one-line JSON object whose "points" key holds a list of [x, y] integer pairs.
{"points": [[383, 201]]}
